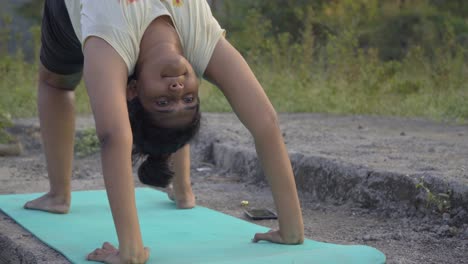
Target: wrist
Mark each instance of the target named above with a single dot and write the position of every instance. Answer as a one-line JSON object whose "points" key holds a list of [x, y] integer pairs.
{"points": [[293, 239], [133, 259], [293, 235], [133, 256]]}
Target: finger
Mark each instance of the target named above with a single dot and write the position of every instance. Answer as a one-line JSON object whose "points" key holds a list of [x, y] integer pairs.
{"points": [[95, 251], [94, 256], [261, 236], [108, 246], [147, 252], [271, 236], [100, 251], [99, 254]]}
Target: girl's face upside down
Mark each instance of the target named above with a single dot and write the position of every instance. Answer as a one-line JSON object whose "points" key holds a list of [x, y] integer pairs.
{"points": [[168, 89]]}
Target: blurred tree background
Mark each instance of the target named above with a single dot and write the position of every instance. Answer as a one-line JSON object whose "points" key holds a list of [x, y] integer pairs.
{"points": [[384, 57]]}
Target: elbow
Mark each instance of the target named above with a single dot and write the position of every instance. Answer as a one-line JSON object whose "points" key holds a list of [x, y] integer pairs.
{"points": [[109, 138], [268, 125]]}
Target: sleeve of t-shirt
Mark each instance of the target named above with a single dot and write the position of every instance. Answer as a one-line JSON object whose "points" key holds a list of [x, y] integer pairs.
{"points": [[101, 19], [208, 34]]}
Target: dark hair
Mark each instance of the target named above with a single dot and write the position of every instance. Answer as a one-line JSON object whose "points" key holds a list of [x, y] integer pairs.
{"points": [[156, 144]]}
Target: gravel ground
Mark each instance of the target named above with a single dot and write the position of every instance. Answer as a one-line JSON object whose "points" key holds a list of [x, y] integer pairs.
{"points": [[413, 148]]}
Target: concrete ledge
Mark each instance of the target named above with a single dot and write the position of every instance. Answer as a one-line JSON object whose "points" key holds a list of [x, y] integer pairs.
{"points": [[12, 149], [326, 179], [18, 246], [11, 252]]}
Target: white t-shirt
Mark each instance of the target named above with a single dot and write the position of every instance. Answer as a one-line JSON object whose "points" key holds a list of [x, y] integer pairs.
{"points": [[122, 24]]}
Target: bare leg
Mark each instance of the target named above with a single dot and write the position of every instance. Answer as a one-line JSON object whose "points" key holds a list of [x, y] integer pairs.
{"points": [[57, 120], [181, 189]]}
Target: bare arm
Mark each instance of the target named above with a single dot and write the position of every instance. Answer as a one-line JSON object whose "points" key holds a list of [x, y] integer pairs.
{"points": [[229, 71], [105, 75]]}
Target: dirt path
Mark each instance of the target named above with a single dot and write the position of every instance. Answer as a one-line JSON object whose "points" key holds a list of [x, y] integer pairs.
{"points": [[365, 141]]}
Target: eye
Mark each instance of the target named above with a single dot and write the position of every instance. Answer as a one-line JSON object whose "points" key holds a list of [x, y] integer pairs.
{"points": [[188, 99], [162, 102]]}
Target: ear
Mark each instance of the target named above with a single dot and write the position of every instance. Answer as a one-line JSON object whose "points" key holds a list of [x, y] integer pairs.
{"points": [[131, 90]]}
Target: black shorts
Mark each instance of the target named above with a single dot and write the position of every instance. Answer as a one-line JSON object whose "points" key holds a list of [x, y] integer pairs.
{"points": [[61, 51]]}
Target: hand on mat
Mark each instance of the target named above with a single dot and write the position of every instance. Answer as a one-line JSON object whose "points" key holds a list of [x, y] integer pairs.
{"points": [[273, 236], [110, 255]]}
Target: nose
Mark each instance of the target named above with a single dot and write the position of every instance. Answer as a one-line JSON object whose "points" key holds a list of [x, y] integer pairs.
{"points": [[176, 86]]}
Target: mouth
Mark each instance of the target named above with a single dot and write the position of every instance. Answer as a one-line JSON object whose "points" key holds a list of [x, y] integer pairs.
{"points": [[174, 79]]}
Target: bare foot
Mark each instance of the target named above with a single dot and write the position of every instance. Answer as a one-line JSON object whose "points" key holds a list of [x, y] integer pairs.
{"points": [[49, 203], [182, 200]]}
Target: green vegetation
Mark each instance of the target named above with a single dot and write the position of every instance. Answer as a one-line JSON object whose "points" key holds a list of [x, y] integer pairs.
{"points": [[5, 122], [439, 201], [87, 143], [18, 77], [402, 58]]}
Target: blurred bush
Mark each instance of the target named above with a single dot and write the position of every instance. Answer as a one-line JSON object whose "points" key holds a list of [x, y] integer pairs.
{"points": [[386, 57], [393, 57]]}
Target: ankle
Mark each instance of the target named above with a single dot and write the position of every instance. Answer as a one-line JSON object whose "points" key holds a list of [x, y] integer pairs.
{"points": [[182, 189], [61, 196]]}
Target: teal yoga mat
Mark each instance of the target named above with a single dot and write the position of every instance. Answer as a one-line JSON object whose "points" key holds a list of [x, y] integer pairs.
{"points": [[199, 235]]}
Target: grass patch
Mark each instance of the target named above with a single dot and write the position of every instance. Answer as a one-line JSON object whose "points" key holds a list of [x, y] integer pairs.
{"points": [[18, 86], [5, 122], [411, 88], [386, 88], [340, 76], [361, 87], [5, 138], [86, 143], [323, 66]]}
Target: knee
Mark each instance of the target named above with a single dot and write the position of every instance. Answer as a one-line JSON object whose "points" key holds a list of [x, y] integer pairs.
{"points": [[58, 81]]}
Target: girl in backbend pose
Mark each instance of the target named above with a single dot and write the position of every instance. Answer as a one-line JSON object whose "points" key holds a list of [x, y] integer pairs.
{"points": [[166, 47]]}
